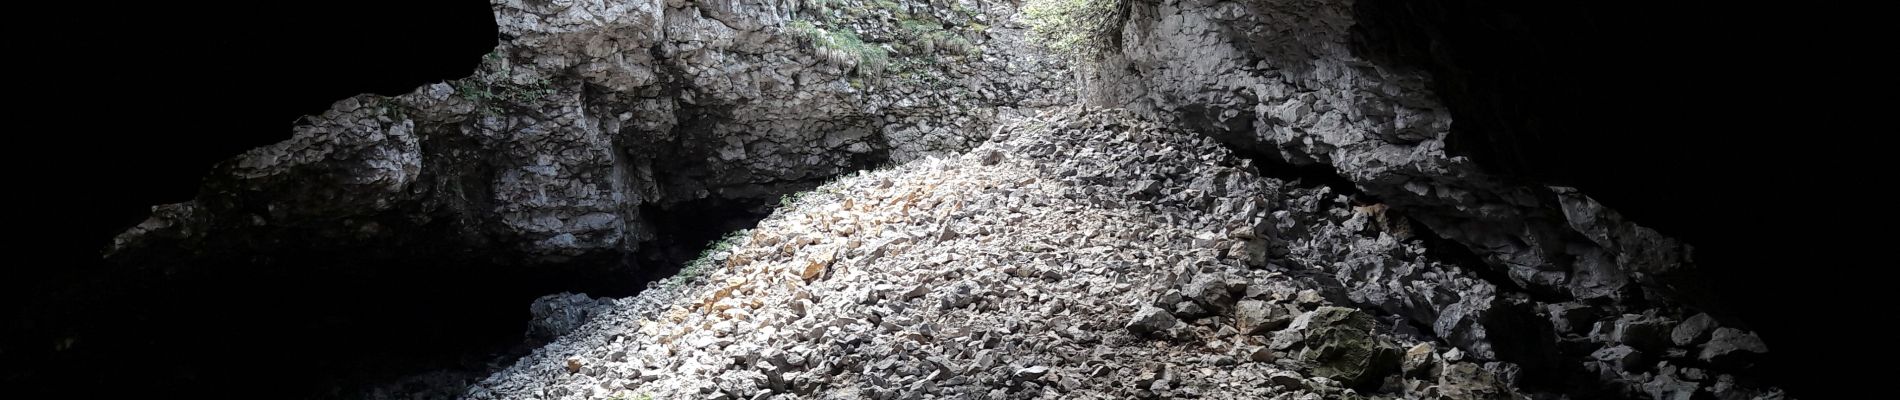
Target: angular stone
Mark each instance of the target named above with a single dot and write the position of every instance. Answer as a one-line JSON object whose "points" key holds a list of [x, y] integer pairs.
{"points": [[557, 314], [1261, 355], [1190, 310], [1308, 297], [1468, 381], [1211, 291], [1420, 360], [1031, 373], [1623, 357], [1254, 317], [1571, 317], [1152, 321], [1732, 346], [1692, 330], [1340, 345], [1289, 380], [1642, 332]]}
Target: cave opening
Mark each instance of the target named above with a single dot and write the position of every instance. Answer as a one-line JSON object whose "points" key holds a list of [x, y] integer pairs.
{"points": [[684, 230], [170, 90]]}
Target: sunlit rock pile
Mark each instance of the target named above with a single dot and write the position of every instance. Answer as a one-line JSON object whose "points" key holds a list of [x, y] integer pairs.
{"points": [[1076, 255]]}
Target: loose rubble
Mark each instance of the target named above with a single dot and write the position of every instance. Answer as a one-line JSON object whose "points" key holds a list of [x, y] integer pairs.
{"points": [[1025, 269]]}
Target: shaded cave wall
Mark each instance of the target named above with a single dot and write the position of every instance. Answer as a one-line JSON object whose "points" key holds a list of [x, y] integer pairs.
{"points": [[1515, 130], [409, 228]]}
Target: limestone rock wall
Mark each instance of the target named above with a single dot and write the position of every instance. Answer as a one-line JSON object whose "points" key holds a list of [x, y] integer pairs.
{"points": [[1282, 80], [590, 112]]}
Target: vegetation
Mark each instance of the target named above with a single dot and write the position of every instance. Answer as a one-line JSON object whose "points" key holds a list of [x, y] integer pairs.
{"points": [[483, 92], [787, 199], [1082, 30], [828, 26], [706, 258], [392, 107], [491, 87], [844, 48]]}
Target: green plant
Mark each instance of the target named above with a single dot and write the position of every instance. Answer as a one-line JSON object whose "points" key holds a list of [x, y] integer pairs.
{"points": [[889, 5], [844, 48], [918, 33], [393, 108], [1080, 29], [693, 269], [490, 97], [786, 200]]}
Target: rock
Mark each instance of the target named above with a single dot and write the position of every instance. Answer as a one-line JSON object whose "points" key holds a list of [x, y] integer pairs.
{"points": [[1145, 189], [1071, 384], [590, 116], [1308, 297], [1254, 317], [992, 157], [573, 365], [1340, 345], [1152, 321], [1190, 310], [1210, 291], [1288, 380], [1666, 387], [1732, 346], [1124, 272], [1726, 388], [1420, 360], [557, 314], [520, 166], [1169, 298], [1385, 131], [916, 292], [1031, 373], [1261, 355], [1571, 317], [1641, 332], [1624, 358], [1467, 381], [1692, 330]]}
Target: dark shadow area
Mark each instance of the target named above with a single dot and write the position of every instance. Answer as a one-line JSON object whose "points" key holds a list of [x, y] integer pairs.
{"points": [[140, 118], [684, 230], [129, 104], [1707, 121], [1531, 344]]}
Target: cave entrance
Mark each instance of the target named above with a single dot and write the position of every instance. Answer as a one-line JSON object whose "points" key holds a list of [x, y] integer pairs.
{"points": [[684, 230]]}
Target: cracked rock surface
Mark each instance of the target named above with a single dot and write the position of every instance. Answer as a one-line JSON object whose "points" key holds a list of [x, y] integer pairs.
{"points": [[1551, 277], [592, 114]]}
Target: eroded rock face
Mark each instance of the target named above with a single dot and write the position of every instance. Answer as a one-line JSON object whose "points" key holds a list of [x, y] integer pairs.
{"points": [[1280, 78], [1283, 81], [592, 113]]}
